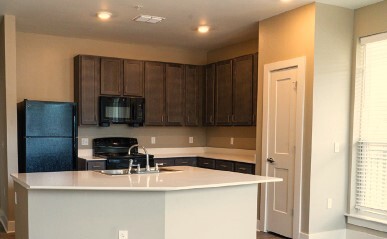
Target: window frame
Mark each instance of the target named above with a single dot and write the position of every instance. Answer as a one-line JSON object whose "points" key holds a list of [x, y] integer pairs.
{"points": [[354, 216]]}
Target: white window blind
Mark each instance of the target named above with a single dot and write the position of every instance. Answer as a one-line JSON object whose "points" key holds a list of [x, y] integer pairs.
{"points": [[371, 165]]}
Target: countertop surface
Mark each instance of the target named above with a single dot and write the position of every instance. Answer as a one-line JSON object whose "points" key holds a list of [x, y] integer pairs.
{"points": [[188, 178], [243, 156]]}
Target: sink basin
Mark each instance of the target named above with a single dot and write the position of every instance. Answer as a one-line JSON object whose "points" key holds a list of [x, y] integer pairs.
{"points": [[126, 172], [114, 171]]}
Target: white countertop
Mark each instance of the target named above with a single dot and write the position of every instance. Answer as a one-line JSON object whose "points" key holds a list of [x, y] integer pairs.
{"points": [[238, 155], [188, 178]]}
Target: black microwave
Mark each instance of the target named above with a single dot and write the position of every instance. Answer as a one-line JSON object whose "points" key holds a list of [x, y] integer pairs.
{"points": [[121, 110]]}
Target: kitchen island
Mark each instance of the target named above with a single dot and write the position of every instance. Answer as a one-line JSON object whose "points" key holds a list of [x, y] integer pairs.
{"points": [[188, 204]]}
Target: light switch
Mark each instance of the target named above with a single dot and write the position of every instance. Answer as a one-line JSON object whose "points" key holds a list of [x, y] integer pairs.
{"points": [[190, 140], [329, 203], [153, 140], [337, 147], [231, 140]]}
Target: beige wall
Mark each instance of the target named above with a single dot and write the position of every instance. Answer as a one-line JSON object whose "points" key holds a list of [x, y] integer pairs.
{"points": [[45, 63], [3, 126], [240, 49], [368, 20], [45, 72], [8, 140], [220, 137], [331, 114], [284, 37]]}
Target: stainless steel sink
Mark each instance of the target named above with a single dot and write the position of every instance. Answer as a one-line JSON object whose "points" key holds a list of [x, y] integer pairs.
{"points": [[126, 171], [114, 171]]}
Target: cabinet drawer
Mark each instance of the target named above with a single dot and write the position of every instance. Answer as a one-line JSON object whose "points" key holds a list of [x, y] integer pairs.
{"points": [[166, 161], [245, 168], [224, 165], [96, 165], [206, 163], [185, 161]]}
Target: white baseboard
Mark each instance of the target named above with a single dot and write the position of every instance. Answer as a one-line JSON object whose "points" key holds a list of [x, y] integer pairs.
{"points": [[304, 235], [352, 234], [258, 225], [337, 234], [9, 226]]}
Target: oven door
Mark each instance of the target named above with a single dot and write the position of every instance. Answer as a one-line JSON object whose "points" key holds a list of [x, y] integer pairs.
{"points": [[123, 163], [115, 110]]}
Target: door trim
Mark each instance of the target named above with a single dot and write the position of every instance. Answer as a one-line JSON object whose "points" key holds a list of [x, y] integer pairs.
{"points": [[300, 64]]}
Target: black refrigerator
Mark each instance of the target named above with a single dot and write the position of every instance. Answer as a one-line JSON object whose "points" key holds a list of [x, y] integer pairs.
{"points": [[48, 136]]}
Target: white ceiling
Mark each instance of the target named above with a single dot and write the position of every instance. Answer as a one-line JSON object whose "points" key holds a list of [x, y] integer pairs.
{"points": [[232, 21]]}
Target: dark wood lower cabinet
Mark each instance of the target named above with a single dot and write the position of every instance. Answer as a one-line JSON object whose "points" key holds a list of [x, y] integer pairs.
{"points": [[200, 162], [224, 165], [166, 161], [244, 168], [209, 163], [206, 163], [84, 164], [185, 162]]}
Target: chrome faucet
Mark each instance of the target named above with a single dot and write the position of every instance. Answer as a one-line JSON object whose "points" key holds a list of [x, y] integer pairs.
{"points": [[147, 167]]}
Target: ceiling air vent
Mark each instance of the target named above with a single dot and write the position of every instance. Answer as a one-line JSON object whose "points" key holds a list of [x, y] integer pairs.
{"points": [[148, 19]]}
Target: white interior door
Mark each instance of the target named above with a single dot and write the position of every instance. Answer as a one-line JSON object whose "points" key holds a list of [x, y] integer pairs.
{"points": [[282, 102]]}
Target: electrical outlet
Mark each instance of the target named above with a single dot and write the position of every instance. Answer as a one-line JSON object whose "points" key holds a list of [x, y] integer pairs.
{"points": [[329, 203], [84, 141], [190, 140], [153, 140], [122, 234], [231, 140]]}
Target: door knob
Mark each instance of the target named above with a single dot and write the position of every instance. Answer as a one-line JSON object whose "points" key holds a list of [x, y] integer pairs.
{"points": [[270, 160]]}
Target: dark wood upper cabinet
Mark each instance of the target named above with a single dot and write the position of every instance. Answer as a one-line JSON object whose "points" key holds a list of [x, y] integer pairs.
{"points": [[86, 88], [154, 93], [111, 76], [133, 78], [174, 94], [224, 91], [193, 76], [209, 96], [255, 87], [242, 90]]}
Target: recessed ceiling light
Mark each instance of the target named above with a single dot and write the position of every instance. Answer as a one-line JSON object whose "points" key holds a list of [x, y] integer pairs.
{"points": [[203, 29], [104, 15]]}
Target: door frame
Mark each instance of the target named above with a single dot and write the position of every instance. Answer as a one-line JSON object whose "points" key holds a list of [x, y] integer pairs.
{"points": [[300, 64]]}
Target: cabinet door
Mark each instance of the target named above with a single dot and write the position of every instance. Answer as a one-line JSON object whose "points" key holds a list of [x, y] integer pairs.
{"points": [[174, 91], [166, 161], [192, 103], [111, 76], [255, 88], [224, 165], [86, 88], [242, 90], [223, 108], [209, 95], [154, 93], [244, 168], [96, 165], [185, 162], [133, 78], [206, 163]]}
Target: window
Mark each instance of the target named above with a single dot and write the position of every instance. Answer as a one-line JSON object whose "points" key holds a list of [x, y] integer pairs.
{"points": [[370, 131]]}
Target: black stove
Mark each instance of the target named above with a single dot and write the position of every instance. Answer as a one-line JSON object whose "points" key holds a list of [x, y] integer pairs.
{"points": [[115, 150]]}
